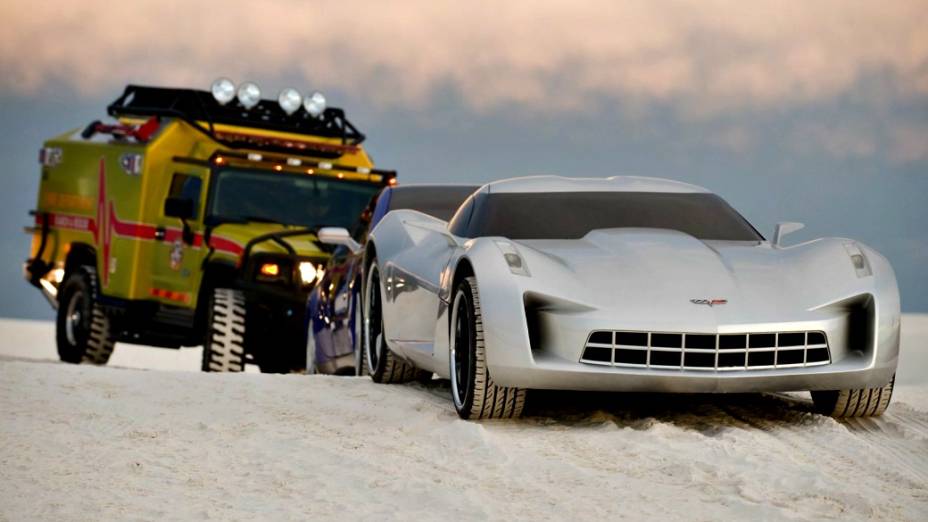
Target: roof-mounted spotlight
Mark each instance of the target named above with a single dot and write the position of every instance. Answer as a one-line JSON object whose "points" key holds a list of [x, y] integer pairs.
{"points": [[248, 95], [290, 100], [223, 90], [314, 104]]}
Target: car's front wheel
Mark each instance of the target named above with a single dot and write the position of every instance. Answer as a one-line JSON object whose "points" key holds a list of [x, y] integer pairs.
{"points": [[860, 402], [383, 365], [475, 394]]}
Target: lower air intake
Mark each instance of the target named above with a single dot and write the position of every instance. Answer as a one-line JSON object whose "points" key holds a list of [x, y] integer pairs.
{"points": [[716, 352]]}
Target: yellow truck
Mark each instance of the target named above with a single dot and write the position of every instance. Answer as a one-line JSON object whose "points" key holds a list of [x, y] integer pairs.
{"points": [[190, 219]]}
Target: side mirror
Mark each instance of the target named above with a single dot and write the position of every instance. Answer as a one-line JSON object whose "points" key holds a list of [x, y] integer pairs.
{"points": [[338, 236], [782, 229], [179, 208]]}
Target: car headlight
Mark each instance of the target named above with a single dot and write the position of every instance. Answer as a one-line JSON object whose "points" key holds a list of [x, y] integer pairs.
{"points": [[858, 259], [513, 258]]}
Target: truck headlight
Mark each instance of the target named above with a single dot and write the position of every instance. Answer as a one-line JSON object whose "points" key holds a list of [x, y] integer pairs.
{"points": [[314, 104], [249, 95], [309, 272], [269, 270], [223, 90], [289, 100]]}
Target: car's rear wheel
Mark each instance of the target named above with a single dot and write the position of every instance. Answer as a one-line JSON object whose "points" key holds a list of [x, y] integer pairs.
{"points": [[475, 394], [224, 348], [860, 402], [82, 329], [383, 365], [357, 337], [310, 350]]}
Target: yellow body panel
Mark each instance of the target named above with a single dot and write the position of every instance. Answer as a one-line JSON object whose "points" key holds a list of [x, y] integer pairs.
{"points": [[90, 199]]}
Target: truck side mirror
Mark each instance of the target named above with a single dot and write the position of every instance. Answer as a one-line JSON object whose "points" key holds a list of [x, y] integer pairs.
{"points": [[782, 229], [338, 236], [181, 208]]}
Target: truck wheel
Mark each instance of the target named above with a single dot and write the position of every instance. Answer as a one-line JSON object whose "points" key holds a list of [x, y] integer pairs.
{"points": [[224, 348], [82, 329], [383, 365], [860, 402], [475, 394]]}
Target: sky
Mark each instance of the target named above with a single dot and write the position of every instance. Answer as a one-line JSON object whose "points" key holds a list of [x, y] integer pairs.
{"points": [[793, 111]]}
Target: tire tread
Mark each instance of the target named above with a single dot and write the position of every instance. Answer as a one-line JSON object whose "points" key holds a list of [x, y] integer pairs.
{"points": [[491, 401], [224, 349]]}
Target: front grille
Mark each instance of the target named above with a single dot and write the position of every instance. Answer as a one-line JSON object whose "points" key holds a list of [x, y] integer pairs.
{"points": [[719, 352]]}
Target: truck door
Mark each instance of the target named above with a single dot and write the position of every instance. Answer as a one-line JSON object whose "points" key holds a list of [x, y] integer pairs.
{"points": [[178, 250]]}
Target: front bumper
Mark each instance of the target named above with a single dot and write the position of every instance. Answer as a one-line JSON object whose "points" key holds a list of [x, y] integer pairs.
{"points": [[863, 341], [553, 373]]}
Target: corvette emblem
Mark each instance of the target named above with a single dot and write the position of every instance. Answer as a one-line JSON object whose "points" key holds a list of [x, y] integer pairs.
{"points": [[709, 302]]}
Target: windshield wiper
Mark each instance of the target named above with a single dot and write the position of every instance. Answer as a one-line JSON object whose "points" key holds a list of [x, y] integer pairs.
{"points": [[263, 219], [242, 220]]}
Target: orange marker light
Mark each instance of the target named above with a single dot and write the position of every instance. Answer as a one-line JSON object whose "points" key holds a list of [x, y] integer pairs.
{"points": [[278, 168], [270, 269], [219, 160], [392, 181]]}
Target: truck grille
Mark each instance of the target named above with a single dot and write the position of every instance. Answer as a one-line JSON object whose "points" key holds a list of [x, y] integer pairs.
{"points": [[714, 352]]}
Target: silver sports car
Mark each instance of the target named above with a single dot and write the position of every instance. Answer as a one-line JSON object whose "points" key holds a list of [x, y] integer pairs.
{"points": [[624, 284]]}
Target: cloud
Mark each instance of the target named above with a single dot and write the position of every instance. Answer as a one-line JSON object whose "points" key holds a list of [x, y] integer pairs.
{"points": [[839, 141], [909, 144], [703, 56]]}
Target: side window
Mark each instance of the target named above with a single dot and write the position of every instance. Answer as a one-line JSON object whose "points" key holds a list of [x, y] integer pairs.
{"points": [[459, 223], [189, 187]]}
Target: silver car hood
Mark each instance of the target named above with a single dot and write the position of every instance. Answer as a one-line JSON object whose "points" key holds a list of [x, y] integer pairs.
{"points": [[637, 271]]}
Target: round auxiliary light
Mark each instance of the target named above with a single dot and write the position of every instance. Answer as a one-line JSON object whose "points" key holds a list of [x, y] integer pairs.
{"points": [[223, 90], [290, 100], [248, 94], [314, 104]]}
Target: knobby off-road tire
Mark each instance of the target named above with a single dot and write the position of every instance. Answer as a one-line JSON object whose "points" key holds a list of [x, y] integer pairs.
{"points": [[82, 329], [224, 347], [860, 402], [383, 365], [473, 391]]}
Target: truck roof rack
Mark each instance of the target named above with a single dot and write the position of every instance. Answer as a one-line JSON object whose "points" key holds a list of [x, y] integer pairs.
{"points": [[195, 106]]}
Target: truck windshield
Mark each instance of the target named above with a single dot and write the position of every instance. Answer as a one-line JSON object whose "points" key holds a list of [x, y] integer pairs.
{"points": [[293, 199]]}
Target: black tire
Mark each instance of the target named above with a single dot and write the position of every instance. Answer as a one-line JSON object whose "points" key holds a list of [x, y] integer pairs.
{"points": [[224, 347], [473, 391], [310, 350], [360, 357], [860, 402], [82, 329], [383, 365]]}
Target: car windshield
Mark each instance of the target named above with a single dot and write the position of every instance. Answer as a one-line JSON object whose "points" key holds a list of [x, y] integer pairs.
{"points": [[293, 199], [439, 201], [571, 215]]}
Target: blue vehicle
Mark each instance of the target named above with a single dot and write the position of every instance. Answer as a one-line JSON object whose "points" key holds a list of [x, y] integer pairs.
{"points": [[333, 330]]}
